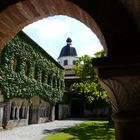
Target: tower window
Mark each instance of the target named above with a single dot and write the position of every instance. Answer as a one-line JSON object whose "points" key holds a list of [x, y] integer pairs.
{"points": [[65, 62], [74, 62]]}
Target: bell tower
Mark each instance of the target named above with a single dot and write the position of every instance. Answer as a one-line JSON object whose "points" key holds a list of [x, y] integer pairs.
{"points": [[68, 55]]}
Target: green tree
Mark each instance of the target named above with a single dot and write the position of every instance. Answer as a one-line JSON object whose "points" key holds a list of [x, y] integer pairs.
{"points": [[89, 85]]}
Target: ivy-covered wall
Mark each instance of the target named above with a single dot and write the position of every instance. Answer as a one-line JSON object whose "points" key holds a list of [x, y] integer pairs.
{"points": [[27, 70]]}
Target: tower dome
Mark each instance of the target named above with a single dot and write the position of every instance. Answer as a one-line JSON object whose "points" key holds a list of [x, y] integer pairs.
{"points": [[68, 50]]}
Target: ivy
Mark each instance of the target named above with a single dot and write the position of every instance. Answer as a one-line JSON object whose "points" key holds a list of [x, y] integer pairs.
{"points": [[24, 72]]}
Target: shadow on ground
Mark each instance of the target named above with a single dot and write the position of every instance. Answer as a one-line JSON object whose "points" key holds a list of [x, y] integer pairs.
{"points": [[97, 131], [47, 131], [90, 130]]}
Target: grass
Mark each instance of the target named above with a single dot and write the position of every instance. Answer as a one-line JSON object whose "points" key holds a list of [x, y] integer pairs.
{"points": [[88, 130]]}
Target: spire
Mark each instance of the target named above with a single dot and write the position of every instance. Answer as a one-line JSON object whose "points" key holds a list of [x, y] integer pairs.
{"points": [[69, 41]]}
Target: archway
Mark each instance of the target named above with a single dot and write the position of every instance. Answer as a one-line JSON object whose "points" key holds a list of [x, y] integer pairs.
{"points": [[26, 12], [121, 34]]}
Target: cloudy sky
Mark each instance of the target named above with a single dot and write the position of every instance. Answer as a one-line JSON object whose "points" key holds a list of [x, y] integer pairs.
{"points": [[51, 34]]}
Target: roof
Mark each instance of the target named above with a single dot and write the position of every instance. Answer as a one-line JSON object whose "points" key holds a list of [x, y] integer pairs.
{"points": [[25, 37], [68, 50]]}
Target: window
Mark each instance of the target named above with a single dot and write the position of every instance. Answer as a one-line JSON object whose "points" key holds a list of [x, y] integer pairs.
{"points": [[36, 73], [74, 62], [65, 62], [12, 113], [58, 84], [43, 77], [49, 80], [21, 112], [54, 82], [27, 68], [16, 64]]}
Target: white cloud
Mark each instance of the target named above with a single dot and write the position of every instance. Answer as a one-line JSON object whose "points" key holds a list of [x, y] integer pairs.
{"points": [[48, 28], [90, 49]]}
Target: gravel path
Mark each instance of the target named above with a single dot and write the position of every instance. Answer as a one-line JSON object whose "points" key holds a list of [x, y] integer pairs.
{"points": [[36, 131]]}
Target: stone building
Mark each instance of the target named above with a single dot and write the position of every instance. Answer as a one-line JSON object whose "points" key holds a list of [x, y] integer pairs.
{"points": [[67, 59], [31, 83], [77, 105]]}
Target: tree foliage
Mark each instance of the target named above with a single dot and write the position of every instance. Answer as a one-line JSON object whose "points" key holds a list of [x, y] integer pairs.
{"points": [[89, 85]]}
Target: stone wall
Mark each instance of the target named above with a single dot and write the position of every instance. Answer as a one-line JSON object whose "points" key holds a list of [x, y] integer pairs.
{"points": [[39, 111], [18, 112]]}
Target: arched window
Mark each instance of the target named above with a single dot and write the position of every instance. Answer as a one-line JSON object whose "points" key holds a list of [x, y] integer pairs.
{"points": [[16, 113], [65, 62], [11, 113], [21, 112]]}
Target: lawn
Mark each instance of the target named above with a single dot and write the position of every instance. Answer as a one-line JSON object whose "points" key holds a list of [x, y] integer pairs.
{"points": [[88, 130]]}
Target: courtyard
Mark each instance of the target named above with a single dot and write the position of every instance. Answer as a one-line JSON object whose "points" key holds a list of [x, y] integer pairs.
{"points": [[76, 129], [37, 131]]}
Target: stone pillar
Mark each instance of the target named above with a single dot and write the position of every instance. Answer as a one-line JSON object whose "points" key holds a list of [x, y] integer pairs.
{"points": [[17, 113], [1, 115], [122, 81], [127, 126], [1, 109], [124, 93], [6, 114], [52, 114]]}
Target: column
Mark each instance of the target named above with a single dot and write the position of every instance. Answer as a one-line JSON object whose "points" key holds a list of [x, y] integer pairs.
{"points": [[52, 114], [127, 126], [17, 112], [122, 81], [1, 115]]}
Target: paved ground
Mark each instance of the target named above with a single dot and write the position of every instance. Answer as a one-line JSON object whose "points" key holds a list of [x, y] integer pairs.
{"points": [[36, 131]]}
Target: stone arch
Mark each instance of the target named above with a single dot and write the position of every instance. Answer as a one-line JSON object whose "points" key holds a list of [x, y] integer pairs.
{"points": [[18, 15], [12, 110]]}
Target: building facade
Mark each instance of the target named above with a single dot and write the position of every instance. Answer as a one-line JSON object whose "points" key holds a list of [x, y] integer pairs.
{"points": [[77, 105], [67, 59], [31, 83]]}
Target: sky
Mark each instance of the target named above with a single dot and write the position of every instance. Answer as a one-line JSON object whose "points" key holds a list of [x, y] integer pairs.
{"points": [[51, 34]]}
